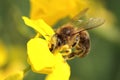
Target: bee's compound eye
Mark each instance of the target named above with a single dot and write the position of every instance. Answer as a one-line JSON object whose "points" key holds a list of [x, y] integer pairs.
{"points": [[67, 30]]}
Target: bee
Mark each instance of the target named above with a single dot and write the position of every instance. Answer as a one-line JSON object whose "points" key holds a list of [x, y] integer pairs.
{"points": [[72, 39]]}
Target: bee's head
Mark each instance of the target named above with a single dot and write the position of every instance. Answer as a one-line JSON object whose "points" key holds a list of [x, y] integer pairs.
{"points": [[66, 30]]}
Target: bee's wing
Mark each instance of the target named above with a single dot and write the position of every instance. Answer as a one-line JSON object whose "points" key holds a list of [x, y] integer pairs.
{"points": [[82, 21], [81, 15], [89, 24], [93, 23], [79, 19]]}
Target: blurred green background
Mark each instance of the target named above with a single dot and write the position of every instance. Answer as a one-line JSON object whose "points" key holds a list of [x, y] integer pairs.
{"points": [[103, 62]]}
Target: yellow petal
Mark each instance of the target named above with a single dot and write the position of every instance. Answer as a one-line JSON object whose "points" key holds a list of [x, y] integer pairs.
{"points": [[53, 10], [61, 70], [3, 54], [14, 71], [40, 26], [40, 58], [17, 76]]}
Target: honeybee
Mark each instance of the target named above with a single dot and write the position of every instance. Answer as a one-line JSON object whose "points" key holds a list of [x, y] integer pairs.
{"points": [[72, 39]]}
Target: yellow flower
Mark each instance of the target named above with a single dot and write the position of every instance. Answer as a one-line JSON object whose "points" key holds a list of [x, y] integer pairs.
{"points": [[3, 55], [16, 76], [53, 10], [14, 71], [39, 56]]}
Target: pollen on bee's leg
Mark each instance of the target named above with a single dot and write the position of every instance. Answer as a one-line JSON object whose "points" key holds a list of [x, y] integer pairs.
{"points": [[69, 57], [66, 52], [65, 47]]}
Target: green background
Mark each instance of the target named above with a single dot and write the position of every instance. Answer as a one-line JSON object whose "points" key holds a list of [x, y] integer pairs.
{"points": [[103, 62]]}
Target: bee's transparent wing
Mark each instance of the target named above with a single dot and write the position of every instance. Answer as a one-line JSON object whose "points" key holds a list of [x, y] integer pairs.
{"points": [[93, 23], [80, 15], [81, 21], [90, 24]]}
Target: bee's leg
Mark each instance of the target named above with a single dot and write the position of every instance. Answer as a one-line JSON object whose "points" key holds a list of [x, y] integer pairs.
{"points": [[69, 57], [65, 50]]}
